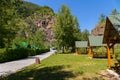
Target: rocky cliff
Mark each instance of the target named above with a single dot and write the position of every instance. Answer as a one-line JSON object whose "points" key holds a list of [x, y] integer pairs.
{"points": [[37, 17], [46, 25], [99, 29]]}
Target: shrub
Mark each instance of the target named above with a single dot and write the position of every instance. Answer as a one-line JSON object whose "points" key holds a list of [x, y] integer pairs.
{"points": [[83, 51], [118, 56], [31, 52], [40, 51], [99, 52], [117, 52], [13, 54]]}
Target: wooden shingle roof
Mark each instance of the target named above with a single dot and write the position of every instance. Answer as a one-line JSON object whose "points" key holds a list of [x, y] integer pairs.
{"points": [[80, 44], [115, 20], [112, 29], [96, 41]]}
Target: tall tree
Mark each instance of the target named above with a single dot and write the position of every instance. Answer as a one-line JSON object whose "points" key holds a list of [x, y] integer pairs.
{"points": [[114, 12], [102, 18], [84, 35], [77, 31], [9, 21], [65, 28]]}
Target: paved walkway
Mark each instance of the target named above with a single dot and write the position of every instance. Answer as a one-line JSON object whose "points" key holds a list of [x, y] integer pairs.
{"points": [[13, 66]]}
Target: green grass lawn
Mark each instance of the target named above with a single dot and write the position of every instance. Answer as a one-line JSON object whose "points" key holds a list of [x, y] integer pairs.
{"points": [[62, 67]]}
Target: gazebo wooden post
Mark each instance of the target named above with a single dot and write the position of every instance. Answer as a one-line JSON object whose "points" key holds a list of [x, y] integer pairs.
{"points": [[111, 33], [89, 51], [77, 51], [108, 54]]}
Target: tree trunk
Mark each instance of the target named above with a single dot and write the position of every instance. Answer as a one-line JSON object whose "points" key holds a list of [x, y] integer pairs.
{"points": [[63, 50], [73, 49]]}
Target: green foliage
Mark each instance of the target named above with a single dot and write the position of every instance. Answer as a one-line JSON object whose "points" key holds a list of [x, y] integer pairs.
{"points": [[100, 49], [17, 25], [31, 34], [20, 53], [82, 51], [117, 52], [118, 56], [114, 12], [77, 31], [102, 18], [84, 35], [38, 39], [13, 54], [46, 11], [31, 31], [31, 52], [13, 23], [28, 9], [42, 51], [66, 28], [99, 52], [9, 22]]}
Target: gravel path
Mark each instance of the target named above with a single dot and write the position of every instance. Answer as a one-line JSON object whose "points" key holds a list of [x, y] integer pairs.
{"points": [[11, 67]]}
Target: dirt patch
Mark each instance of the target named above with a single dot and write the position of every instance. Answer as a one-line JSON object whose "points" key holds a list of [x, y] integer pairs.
{"points": [[109, 75]]}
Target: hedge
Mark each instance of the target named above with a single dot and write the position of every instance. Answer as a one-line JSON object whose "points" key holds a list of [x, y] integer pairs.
{"points": [[117, 52], [15, 54]]}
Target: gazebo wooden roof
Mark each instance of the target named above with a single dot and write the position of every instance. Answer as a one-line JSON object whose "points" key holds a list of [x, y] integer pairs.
{"points": [[95, 41], [80, 44], [111, 33], [112, 29]]}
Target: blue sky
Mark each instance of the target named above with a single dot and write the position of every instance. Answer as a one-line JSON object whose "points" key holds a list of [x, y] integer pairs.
{"points": [[87, 11]]}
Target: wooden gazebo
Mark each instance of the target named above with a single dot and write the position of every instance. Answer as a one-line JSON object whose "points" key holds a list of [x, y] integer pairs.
{"points": [[111, 34], [94, 41], [80, 44]]}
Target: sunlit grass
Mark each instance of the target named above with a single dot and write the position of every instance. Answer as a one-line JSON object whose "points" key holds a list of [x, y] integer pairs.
{"points": [[62, 67]]}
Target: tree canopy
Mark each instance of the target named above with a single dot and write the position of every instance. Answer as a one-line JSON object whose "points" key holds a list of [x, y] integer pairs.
{"points": [[102, 18], [9, 21], [114, 12], [17, 20], [66, 29]]}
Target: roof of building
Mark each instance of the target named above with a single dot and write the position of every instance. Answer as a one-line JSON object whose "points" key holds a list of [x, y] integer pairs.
{"points": [[115, 20], [80, 44], [96, 41], [112, 29]]}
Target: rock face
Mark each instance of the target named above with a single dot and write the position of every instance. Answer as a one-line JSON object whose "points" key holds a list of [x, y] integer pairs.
{"points": [[46, 25], [98, 30]]}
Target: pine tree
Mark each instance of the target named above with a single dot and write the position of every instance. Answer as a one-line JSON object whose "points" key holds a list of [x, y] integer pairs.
{"points": [[102, 18], [114, 12]]}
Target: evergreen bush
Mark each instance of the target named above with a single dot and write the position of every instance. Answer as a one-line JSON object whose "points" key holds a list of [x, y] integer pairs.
{"points": [[15, 54]]}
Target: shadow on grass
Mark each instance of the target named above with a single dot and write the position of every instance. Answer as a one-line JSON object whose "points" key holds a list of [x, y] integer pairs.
{"points": [[47, 73]]}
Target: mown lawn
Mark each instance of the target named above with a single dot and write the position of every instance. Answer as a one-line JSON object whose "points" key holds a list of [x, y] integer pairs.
{"points": [[62, 67]]}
